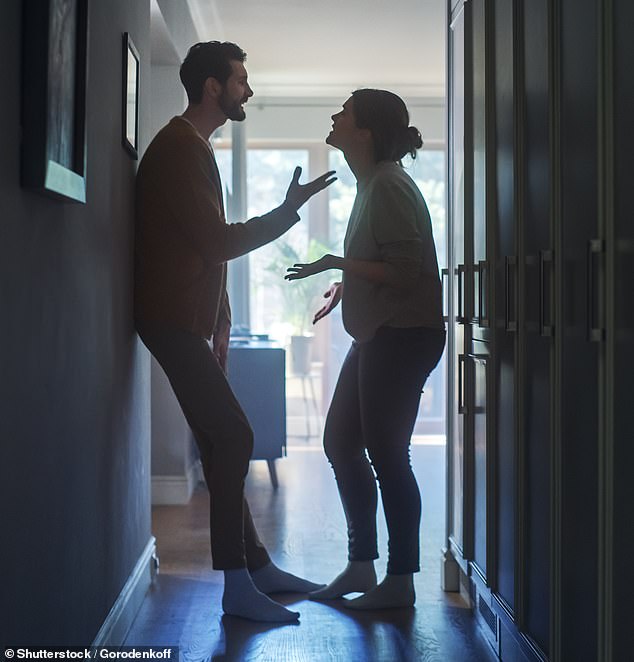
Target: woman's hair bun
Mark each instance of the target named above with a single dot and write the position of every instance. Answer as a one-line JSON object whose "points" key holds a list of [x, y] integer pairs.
{"points": [[415, 138]]}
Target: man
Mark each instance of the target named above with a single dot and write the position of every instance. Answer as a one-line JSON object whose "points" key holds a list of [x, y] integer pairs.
{"points": [[182, 247]]}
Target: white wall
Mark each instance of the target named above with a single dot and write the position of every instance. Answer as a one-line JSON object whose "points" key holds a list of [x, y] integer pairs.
{"points": [[309, 119], [74, 381], [167, 94]]}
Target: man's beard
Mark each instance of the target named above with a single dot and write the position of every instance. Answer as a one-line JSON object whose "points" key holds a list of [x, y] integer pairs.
{"points": [[231, 108]]}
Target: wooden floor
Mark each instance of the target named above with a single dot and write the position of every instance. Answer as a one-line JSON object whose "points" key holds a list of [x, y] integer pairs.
{"points": [[303, 526]]}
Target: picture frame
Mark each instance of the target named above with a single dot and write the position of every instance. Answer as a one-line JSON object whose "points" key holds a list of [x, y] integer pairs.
{"points": [[130, 96], [54, 71]]}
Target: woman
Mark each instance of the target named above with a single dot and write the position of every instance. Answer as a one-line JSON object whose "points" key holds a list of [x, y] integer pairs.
{"points": [[391, 299]]}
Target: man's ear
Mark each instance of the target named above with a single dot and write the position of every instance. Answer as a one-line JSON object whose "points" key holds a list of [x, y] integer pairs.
{"points": [[212, 87]]}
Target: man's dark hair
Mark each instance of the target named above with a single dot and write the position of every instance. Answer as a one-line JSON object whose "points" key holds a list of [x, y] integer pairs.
{"points": [[208, 59], [385, 115]]}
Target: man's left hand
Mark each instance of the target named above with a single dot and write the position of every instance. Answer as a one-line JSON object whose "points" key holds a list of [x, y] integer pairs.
{"points": [[298, 194], [221, 343]]}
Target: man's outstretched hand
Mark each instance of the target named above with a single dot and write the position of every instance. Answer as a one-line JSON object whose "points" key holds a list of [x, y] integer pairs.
{"points": [[298, 194]]}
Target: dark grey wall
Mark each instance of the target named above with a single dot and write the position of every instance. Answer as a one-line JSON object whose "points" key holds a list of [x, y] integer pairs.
{"points": [[74, 378]]}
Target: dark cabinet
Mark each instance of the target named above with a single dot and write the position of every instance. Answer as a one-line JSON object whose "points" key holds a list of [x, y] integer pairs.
{"points": [[480, 360], [619, 446], [503, 225], [480, 367], [459, 174], [541, 444], [579, 356], [535, 333]]}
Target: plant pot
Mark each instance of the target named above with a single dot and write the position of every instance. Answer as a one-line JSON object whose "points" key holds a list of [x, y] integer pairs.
{"points": [[301, 354]]}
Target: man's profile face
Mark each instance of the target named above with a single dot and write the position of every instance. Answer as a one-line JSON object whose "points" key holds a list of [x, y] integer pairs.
{"points": [[235, 93]]}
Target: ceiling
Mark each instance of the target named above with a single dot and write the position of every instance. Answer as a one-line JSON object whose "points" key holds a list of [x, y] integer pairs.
{"points": [[331, 47]]}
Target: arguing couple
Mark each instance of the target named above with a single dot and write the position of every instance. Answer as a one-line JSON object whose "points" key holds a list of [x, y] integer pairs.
{"points": [[391, 305]]}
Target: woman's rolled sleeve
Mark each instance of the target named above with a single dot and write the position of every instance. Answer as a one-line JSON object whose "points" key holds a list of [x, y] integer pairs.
{"points": [[395, 230], [403, 260]]}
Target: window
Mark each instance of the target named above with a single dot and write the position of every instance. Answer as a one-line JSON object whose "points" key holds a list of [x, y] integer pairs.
{"points": [[274, 307]]}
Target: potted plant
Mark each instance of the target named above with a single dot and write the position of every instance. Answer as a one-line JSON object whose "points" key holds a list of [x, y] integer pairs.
{"points": [[300, 298]]}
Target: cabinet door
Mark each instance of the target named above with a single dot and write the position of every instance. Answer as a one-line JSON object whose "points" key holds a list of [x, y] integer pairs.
{"points": [[479, 360], [505, 279], [459, 204], [536, 338], [579, 355], [622, 367], [481, 154]]}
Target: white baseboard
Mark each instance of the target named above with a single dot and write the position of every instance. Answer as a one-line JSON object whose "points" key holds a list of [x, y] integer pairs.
{"points": [[449, 572], [117, 624], [174, 490]]}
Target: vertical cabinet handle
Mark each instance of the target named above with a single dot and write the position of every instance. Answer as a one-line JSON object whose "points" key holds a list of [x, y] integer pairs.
{"points": [[461, 381], [545, 293], [596, 332], [445, 293], [510, 321], [483, 305], [459, 271], [478, 405]]}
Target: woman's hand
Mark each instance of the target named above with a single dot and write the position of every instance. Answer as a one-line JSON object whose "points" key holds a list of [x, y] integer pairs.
{"points": [[302, 270], [334, 297], [298, 194]]}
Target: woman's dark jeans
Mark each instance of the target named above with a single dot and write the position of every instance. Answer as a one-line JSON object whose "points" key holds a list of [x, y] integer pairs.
{"points": [[374, 408]]}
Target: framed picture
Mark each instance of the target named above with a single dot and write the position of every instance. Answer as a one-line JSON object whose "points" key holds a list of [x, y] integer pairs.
{"points": [[130, 96], [54, 98]]}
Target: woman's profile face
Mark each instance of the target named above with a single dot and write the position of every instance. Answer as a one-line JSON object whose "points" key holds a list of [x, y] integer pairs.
{"points": [[344, 130]]}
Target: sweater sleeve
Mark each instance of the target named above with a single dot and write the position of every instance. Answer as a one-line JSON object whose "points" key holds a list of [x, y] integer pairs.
{"points": [[394, 227], [195, 203]]}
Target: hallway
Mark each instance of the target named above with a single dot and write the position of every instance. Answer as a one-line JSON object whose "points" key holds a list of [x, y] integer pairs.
{"points": [[303, 526], [538, 136]]}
